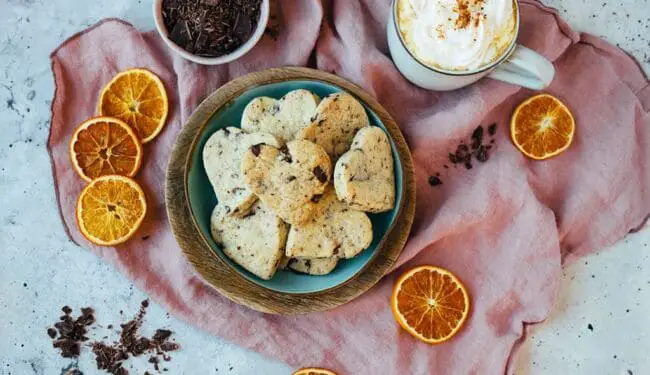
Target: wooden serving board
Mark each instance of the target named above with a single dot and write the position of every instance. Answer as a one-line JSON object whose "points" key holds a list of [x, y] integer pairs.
{"points": [[223, 277]]}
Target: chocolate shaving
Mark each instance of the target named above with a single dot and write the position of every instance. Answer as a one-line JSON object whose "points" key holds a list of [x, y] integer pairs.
{"points": [[255, 149]]}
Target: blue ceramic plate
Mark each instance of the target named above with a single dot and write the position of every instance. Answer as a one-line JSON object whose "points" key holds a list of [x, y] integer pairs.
{"points": [[202, 199]]}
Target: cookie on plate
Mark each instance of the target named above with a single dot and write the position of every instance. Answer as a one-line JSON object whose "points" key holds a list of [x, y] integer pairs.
{"points": [[364, 177], [222, 158], [284, 117], [313, 266], [338, 117], [254, 241], [290, 179], [339, 231]]}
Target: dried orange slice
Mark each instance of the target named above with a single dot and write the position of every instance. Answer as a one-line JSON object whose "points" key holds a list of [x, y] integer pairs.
{"points": [[313, 371], [430, 303], [103, 145], [542, 127], [110, 210], [137, 97]]}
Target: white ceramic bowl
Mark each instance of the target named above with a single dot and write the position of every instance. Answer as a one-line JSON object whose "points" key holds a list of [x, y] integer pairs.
{"points": [[239, 52]]}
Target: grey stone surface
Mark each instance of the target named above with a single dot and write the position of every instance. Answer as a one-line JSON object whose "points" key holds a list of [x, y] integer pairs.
{"points": [[41, 270]]}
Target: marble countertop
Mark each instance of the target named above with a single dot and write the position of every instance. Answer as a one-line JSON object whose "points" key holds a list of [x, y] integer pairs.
{"points": [[600, 324]]}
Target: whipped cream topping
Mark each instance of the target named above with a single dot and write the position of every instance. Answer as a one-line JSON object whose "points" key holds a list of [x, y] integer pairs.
{"points": [[457, 34]]}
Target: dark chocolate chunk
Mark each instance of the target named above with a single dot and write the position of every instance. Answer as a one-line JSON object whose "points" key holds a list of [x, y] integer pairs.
{"points": [[320, 174], [255, 149], [482, 154], [435, 181], [477, 135], [492, 129], [336, 250]]}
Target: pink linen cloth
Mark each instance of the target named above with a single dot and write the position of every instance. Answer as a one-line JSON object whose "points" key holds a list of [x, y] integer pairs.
{"points": [[504, 227]]}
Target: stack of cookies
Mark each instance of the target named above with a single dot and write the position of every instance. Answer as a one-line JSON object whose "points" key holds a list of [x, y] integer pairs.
{"points": [[294, 184]]}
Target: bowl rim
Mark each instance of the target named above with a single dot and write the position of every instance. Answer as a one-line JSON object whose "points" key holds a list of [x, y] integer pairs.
{"points": [[231, 284], [234, 55], [399, 200]]}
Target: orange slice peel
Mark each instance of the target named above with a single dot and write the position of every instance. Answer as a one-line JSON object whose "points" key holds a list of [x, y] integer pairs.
{"points": [[430, 303], [137, 97], [103, 145], [313, 371], [110, 209], [542, 127]]}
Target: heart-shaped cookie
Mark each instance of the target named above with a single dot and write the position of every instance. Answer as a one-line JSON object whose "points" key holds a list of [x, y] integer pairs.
{"points": [[336, 231], [222, 159], [338, 117], [283, 118], [289, 180], [364, 177], [254, 241]]}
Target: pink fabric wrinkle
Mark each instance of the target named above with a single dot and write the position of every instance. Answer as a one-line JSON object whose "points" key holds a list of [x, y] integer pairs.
{"points": [[500, 313]]}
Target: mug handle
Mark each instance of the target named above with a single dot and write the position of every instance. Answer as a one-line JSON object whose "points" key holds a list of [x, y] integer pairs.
{"points": [[525, 68]]}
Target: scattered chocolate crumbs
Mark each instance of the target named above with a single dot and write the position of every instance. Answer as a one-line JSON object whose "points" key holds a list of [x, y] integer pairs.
{"points": [[210, 28], [478, 149], [111, 356], [435, 181], [162, 335], [273, 32], [477, 137], [492, 129], [320, 174], [72, 332], [482, 154]]}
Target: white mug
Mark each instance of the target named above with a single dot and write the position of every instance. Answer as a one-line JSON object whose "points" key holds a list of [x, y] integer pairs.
{"points": [[517, 65]]}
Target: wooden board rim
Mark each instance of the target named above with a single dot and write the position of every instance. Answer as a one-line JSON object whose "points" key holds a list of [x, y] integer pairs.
{"points": [[222, 276]]}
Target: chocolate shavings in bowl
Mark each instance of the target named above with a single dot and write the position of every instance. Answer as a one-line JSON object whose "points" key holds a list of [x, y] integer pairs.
{"points": [[210, 28]]}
